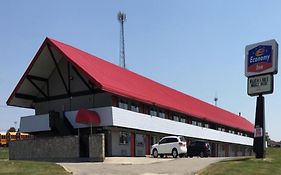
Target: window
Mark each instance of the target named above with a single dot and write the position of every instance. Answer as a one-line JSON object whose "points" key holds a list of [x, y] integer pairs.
{"points": [[183, 120], [124, 138], [163, 141], [194, 122], [171, 140], [199, 124], [135, 107], [206, 125], [176, 118], [162, 114], [219, 128], [123, 104], [240, 133], [153, 112], [140, 139], [222, 129], [154, 140]]}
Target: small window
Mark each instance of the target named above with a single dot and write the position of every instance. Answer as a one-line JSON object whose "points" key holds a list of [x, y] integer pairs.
{"points": [[162, 114], [153, 112], [222, 129], [123, 104], [206, 125], [176, 118], [199, 124], [135, 107], [194, 122], [183, 120], [124, 138]]}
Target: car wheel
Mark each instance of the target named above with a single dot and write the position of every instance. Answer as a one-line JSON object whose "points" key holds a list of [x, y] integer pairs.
{"points": [[201, 154], [155, 153], [161, 155], [174, 153]]}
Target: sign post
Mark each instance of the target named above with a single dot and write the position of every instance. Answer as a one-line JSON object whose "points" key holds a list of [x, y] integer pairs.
{"points": [[261, 62]]}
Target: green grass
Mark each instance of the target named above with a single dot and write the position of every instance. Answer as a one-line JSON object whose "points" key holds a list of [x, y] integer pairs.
{"points": [[11, 167], [270, 165], [4, 153]]}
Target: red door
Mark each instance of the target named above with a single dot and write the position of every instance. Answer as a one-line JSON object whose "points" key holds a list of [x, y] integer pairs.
{"points": [[133, 145]]}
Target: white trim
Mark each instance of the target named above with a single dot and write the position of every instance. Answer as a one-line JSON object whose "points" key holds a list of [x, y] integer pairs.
{"points": [[129, 119], [113, 116], [35, 123]]}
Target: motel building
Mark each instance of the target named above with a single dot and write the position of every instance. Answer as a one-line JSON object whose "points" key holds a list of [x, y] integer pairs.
{"points": [[68, 87]]}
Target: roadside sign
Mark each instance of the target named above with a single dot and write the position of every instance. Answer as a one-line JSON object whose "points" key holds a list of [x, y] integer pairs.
{"points": [[261, 58], [261, 63], [261, 84]]}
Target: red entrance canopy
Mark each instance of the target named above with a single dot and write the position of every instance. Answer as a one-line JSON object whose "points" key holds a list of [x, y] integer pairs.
{"points": [[86, 116]]}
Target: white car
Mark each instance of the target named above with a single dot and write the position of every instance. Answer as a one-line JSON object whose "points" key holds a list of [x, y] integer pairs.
{"points": [[170, 145]]}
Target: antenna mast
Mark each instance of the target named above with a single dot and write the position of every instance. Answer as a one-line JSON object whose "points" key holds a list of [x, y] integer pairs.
{"points": [[216, 99], [122, 18]]}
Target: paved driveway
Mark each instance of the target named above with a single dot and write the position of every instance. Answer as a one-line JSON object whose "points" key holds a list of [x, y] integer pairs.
{"points": [[141, 166]]}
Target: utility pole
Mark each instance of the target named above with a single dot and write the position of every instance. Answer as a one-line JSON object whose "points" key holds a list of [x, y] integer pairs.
{"points": [[122, 18]]}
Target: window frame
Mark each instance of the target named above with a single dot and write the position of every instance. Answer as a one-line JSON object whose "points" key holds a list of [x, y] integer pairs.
{"points": [[124, 138]]}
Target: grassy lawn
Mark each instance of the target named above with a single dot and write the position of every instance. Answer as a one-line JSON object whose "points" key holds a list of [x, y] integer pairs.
{"points": [[8, 167], [270, 165], [4, 153]]}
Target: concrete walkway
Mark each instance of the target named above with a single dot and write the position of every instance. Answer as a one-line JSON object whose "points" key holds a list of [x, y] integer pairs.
{"points": [[141, 166]]}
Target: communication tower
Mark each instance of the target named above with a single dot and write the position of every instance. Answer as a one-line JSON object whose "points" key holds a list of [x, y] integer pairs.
{"points": [[122, 18]]}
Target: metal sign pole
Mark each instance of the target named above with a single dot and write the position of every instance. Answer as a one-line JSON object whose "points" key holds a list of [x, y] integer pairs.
{"points": [[259, 135]]}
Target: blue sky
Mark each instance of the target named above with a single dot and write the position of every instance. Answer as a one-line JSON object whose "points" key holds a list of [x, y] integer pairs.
{"points": [[196, 47]]}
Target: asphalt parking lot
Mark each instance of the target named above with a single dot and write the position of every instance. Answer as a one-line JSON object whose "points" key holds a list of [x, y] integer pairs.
{"points": [[141, 166]]}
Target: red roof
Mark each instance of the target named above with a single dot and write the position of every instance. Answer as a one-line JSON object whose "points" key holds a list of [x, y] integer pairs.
{"points": [[123, 82]]}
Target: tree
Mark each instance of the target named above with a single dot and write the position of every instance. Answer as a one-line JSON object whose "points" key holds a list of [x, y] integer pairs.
{"points": [[12, 129]]}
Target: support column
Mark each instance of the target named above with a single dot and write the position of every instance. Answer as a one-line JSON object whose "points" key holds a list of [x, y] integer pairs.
{"points": [[147, 144], [133, 144]]}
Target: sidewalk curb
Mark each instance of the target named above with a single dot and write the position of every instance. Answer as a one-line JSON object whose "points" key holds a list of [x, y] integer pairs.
{"points": [[66, 169]]}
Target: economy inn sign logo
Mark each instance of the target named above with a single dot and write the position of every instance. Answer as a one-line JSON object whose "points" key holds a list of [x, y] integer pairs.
{"points": [[261, 58]]}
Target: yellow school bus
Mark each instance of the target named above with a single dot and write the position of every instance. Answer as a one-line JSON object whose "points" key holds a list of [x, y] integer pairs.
{"points": [[3, 139], [11, 136]]}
